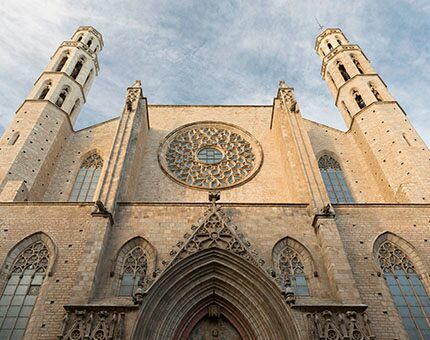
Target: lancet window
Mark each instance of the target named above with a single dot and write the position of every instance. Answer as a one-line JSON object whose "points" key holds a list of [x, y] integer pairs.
{"points": [[375, 92], [45, 91], [77, 68], [87, 179], [359, 100], [357, 64], [22, 288], [293, 271], [343, 71], [133, 270], [62, 97], [334, 181], [62, 63], [407, 290]]}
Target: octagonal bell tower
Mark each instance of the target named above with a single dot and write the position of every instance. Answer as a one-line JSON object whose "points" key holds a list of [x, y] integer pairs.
{"points": [[36, 135], [397, 156]]}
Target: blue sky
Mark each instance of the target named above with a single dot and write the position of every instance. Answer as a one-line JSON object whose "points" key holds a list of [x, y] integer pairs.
{"points": [[217, 52]]}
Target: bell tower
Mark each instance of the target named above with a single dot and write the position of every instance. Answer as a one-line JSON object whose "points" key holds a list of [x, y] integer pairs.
{"points": [[395, 153], [42, 123]]}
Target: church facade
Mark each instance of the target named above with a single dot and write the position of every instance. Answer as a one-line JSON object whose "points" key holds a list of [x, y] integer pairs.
{"points": [[213, 222]]}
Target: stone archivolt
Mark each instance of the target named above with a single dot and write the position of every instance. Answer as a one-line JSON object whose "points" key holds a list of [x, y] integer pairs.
{"points": [[241, 155]]}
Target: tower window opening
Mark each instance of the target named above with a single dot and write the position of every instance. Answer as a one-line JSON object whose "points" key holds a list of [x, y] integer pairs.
{"points": [[359, 100], [75, 107], [45, 91], [62, 63], [80, 38], [343, 71], [357, 64], [330, 46], [77, 68], [338, 40], [89, 43], [375, 92], [346, 109], [95, 50], [331, 80], [13, 138], [62, 97], [88, 77]]}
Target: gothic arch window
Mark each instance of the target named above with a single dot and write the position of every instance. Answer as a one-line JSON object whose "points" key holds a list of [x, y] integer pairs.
{"points": [[134, 269], [375, 92], [293, 265], [343, 71], [78, 68], [80, 38], [89, 43], [357, 64], [406, 288], [87, 179], [334, 181], [62, 97], [45, 90], [330, 46], [22, 288], [358, 99], [338, 40], [62, 63]]}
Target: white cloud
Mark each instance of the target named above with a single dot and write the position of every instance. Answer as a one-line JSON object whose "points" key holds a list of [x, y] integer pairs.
{"points": [[216, 52]]}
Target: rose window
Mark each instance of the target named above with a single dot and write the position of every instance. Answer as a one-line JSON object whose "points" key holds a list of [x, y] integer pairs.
{"points": [[210, 155]]}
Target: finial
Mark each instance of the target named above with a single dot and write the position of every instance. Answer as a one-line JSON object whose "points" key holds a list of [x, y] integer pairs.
{"points": [[282, 84], [137, 83]]}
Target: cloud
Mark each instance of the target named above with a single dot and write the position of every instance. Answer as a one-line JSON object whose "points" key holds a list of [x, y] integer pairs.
{"points": [[223, 52]]}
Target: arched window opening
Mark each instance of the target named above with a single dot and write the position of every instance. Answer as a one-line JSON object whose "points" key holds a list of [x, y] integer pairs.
{"points": [[87, 179], [375, 92], [346, 109], [62, 97], [407, 290], [133, 270], [62, 63], [80, 38], [343, 72], [22, 289], [331, 80], [45, 91], [359, 100], [12, 140], [75, 107], [95, 50], [338, 40], [88, 77], [330, 46], [357, 64], [77, 68], [89, 43], [334, 181], [293, 271]]}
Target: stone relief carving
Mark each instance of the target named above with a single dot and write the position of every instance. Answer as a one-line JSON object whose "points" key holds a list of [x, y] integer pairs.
{"points": [[236, 155], [329, 325], [96, 324]]}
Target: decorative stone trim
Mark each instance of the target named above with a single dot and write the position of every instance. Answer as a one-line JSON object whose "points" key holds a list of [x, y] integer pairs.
{"points": [[331, 325], [101, 322]]}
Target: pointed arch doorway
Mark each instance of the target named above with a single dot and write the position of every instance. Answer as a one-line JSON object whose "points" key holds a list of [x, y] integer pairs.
{"points": [[217, 294]]}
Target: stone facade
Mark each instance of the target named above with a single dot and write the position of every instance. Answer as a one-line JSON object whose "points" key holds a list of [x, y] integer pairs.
{"points": [[265, 257]]}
